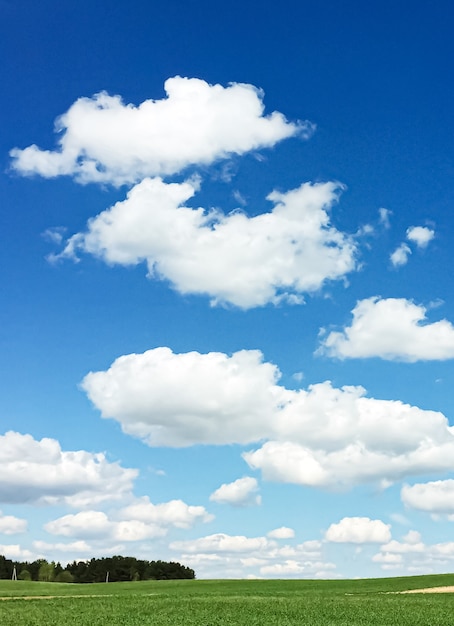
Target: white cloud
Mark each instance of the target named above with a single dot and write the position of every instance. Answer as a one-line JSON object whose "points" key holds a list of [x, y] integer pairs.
{"points": [[16, 552], [136, 522], [106, 141], [40, 472], [322, 436], [221, 542], [412, 537], [433, 497], [185, 399], [85, 524], [174, 513], [400, 255], [358, 530], [384, 217], [392, 329], [241, 492], [228, 556], [10, 525], [291, 568], [413, 556], [420, 235], [281, 533], [74, 547], [237, 259]]}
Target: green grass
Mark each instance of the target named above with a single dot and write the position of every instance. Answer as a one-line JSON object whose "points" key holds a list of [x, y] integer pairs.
{"points": [[230, 603]]}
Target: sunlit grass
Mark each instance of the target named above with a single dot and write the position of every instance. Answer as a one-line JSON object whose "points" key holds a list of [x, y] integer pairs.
{"points": [[229, 603]]}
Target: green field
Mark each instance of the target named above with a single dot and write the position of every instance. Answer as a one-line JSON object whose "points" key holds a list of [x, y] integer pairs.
{"points": [[228, 603]]}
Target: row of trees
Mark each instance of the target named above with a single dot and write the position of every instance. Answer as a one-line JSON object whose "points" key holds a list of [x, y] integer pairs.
{"points": [[112, 569]]}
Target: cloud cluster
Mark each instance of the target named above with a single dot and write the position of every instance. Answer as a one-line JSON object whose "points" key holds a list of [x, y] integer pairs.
{"points": [[103, 140], [322, 436], [233, 258], [412, 555], [242, 492], [418, 235], [40, 472], [238, 556], [392, 329], [137, 522]]}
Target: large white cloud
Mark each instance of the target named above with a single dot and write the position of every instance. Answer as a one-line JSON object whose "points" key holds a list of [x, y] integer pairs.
{"points": [[40, 472], [358, 530], [322, 436], [392, 329], [104, 140], [434, 497], [234, 258], [185, 399], [241, 492]]}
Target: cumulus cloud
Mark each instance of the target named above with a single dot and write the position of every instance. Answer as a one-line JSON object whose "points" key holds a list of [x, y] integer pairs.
{"points": [[186, 399], [432, 497], [241, 492], [322, 436], [16, 552], [136, 522], [104, 140], [391, 329], [40, 472], [96, 525], [174, 513], [400, 255], [238, 556], [11, 525], [237, 259], [358, 530], [420, 235], [281, 533]]}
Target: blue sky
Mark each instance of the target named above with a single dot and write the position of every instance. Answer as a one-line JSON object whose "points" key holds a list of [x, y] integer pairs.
{"points": [[227, 314]]}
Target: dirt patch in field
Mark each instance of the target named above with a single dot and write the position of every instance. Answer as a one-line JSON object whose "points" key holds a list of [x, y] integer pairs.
{"points": [[431, 590]]}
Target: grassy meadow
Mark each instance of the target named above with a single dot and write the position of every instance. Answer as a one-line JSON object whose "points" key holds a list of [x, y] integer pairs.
{"points": [[228, 603]]}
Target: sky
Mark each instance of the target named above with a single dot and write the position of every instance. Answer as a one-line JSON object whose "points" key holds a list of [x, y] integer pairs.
{"points": [[227, 311]]}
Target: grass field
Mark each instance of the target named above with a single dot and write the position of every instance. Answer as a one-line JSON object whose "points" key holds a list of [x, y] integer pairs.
{"points": [[229, 603]]}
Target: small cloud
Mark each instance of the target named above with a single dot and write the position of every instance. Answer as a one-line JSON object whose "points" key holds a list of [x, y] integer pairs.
{"points": [[400, 255], [384, 215], [281, 533], [242, 492], [420, 235], [55, 235], [298, 376], [239, 198], [400, 519]]}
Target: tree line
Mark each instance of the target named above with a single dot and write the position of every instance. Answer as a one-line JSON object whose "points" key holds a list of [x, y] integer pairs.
{"points": [[110, 569]]}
